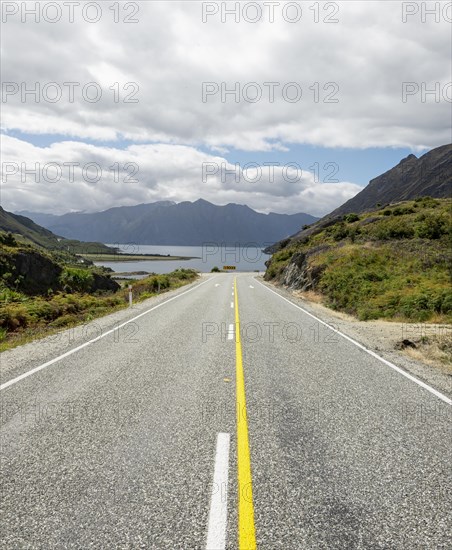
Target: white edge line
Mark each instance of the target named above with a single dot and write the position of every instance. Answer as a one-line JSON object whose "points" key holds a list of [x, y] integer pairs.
{"points": [[370, 352], [216, 532], [85, 344]]}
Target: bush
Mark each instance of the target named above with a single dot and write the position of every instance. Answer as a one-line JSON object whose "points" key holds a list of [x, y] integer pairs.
{"points": [[8, 239], [339, 232], [427, 202], [13, 317], [214, 270], [76, 279], [432, 227], [393, 229], [350, 218], [402, 211], [8, 295], [62, 321]]}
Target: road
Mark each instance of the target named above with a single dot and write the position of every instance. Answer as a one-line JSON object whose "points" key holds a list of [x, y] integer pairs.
{"points": [[133, 440]]}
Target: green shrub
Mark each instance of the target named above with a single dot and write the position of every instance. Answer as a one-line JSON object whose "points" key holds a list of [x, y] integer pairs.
{"points": [[350, 218], [340, 232], [76, 279], [432, 227], [13, 317], [62, 321], [8, 295], [8, 239], [401, 211], [392, 229], [215, 270], [427, 202]]}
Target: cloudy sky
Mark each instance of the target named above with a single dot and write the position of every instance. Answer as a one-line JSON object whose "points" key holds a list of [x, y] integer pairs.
{"points": [[284, 106]]}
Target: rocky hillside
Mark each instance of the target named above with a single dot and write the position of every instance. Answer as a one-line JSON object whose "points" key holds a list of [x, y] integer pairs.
{"points": [[429, 175], [392, 262], [31, 270], [35, 261]]}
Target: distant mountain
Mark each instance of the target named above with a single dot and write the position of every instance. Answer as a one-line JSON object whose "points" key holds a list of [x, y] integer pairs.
{"points": [[168, 223], [429, 175]]}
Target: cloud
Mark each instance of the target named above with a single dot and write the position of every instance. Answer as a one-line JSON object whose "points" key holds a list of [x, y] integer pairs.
{"points": [[74, 176], [169, 53]]}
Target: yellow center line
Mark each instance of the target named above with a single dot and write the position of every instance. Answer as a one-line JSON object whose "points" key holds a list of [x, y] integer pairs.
{"points": [[247, 534]]}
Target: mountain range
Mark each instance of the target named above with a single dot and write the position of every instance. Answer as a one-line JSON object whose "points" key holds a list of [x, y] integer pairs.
{"points": [[168, 223], [195, 223]]}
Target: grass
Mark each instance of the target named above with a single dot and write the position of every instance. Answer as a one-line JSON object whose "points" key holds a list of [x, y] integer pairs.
{"points": [[393, 263], [434, 350], [25, 318], [380, 283]]}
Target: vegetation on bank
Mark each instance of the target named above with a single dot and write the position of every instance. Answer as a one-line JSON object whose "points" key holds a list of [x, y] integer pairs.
{"points": [[392, 263], [121, 257], [43, 291], [24, 318]]}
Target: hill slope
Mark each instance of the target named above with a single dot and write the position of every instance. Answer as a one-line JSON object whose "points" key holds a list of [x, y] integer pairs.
{"points": [[392, 263], [28, 231], [21, 225], [429, 175], [167, 223]]}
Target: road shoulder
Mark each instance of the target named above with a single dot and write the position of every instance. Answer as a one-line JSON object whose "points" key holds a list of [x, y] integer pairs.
{"points": [[22, 358], [382, 337]]}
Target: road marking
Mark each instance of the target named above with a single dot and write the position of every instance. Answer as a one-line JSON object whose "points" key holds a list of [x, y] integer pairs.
{"points": [[216, 532], [251, 286], [85, 344], [232, 304], [369, 351], [231, 332], [247, 534]]}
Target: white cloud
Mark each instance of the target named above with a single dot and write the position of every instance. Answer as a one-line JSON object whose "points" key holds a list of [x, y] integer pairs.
{"points": [[170, 52], [365, 57]]}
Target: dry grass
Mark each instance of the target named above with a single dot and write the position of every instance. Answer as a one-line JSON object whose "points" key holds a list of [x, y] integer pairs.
{"points": [[435, 350]]}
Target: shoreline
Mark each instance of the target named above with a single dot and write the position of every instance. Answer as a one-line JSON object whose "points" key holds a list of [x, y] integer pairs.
{"points": [[135, 257]]}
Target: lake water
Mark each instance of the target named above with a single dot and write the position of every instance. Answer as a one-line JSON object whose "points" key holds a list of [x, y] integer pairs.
{"points": [[245, 258]]}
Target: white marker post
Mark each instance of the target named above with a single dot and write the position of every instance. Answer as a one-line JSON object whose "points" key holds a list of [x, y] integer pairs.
{"points": [[130, 295]]}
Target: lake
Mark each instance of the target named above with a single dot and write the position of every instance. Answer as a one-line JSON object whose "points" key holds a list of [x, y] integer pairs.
{"points": [[245, 258]]}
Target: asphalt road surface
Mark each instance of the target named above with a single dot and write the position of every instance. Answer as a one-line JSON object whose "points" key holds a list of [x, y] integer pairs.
{"points": [[226, 417]]}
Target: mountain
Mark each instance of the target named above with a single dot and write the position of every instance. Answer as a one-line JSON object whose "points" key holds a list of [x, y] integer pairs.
{"points": [[429, 175], [16, 224], [168, 223], [34, 233]]}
